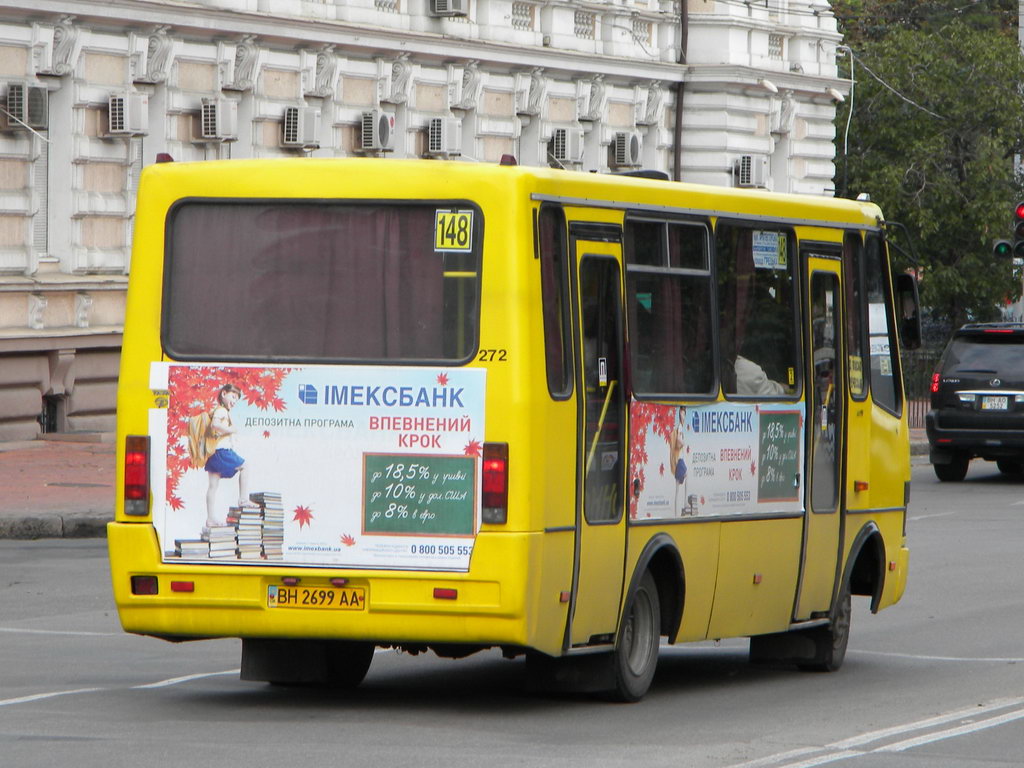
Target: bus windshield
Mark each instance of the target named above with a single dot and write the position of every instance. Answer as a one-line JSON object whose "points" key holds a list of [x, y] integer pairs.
{"points": [[359, 282]]}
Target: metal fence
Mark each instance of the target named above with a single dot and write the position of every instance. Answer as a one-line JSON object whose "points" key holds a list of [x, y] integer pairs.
{"points": [[918, 367]]}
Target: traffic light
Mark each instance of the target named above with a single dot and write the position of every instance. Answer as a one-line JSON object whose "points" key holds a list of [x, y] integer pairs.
{"points": [[1002, 249], [1018, 231]]}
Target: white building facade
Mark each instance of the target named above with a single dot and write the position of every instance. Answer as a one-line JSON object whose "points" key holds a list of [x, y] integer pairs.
{"points": [[92, 91]]}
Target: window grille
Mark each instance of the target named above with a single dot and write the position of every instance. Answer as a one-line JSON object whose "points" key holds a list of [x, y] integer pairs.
{"points": [[775, 43]]}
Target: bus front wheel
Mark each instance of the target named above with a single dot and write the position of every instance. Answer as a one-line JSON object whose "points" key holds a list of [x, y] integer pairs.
{"points": [[636, 649], [830, 642]]}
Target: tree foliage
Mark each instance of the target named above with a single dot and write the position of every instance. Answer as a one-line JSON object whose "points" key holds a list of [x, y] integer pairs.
{"points": [[938, 118]]}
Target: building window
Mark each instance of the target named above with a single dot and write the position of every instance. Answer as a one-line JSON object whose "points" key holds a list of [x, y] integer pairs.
{"points": [[775, 44], [390, 6]]}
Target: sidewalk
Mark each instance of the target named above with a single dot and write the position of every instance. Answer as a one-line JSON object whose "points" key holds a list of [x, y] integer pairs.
{"points": [[64, 487], [57, 488]]}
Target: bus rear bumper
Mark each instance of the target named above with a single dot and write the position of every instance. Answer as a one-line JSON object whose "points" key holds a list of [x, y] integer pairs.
{"points": [[194, 601]]}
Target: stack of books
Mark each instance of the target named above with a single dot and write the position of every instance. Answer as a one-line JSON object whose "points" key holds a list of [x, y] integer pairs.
{"points": [[222, 542], [273, 523], [191, 548], [250, 534]]}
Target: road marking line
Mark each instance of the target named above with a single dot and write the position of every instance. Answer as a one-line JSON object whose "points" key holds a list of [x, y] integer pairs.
{"points": [[902, 746], [925, 517], [997, 659], [186, 678], [38, 696], [160, 684], [847, 748], [17, 630]]}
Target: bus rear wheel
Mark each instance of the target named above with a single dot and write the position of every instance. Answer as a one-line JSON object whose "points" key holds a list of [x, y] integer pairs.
{"points": [[328, 663], [636, 649]]}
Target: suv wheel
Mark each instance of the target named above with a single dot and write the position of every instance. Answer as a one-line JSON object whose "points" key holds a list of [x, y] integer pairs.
{"points": [[955, 470], [1011, 467]]}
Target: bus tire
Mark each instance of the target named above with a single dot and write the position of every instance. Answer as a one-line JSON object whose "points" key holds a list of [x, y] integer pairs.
{"points": [[326, 663], [635, 657], [830, 642]]}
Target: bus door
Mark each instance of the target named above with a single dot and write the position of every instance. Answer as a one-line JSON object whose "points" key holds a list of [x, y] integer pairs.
{"points": [[825, 398], [600, 522]]}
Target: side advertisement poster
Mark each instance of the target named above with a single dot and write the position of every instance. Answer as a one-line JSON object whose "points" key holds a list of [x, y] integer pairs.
{"points": [[355, 466], [717, 460]]}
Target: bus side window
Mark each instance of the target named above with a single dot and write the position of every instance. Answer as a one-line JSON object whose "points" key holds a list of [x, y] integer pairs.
{"points": [[885, 363], [555, 305], [669, 303], [853, 253], [757, 311]]}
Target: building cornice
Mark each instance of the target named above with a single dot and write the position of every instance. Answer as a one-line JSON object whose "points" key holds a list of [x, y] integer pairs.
{"points": [[192, 20], [732, 77]]}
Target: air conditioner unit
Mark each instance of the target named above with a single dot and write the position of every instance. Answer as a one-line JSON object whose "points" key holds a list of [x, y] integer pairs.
{"points": [[27, 105], [128, 114], [377, 134], [751, 171], [301, 127], [626, 149], [444, 136], [567, 145], [449, 7], [218, 120]]}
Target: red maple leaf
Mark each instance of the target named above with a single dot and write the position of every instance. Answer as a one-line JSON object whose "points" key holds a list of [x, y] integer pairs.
{"points": [[194, 389], [175, 503], [753, 469], [472, 448], [442, 379], [303, 514], [347, 540], [266, 433]]}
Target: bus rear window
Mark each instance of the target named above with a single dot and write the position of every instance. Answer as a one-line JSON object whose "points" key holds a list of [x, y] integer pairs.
{"points": [[321, 281]]}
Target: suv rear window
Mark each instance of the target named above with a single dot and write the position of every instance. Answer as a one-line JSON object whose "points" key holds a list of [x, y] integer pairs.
{"points": [[989, 353], [331, 281]]}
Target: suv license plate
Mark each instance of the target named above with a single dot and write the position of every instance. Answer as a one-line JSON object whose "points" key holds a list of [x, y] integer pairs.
{"points": [[331, 598], [994, 403]]}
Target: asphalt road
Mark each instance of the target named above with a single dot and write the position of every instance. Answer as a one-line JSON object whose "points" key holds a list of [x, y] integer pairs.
{"points": [[937, 680]]}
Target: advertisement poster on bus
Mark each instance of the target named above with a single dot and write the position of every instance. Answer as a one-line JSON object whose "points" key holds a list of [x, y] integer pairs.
{"points": [[717, 460], [354, 466]]}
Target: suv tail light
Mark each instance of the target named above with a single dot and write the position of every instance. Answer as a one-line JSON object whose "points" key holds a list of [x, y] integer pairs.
{"points": [[935, 382], [495, 495], [136, 475]]}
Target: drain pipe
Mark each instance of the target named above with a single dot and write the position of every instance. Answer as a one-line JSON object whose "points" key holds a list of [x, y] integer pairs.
{"points": [[677, 131]]}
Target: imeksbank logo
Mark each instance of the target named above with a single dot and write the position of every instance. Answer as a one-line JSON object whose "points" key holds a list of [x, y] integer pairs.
{"points": [[307, 394]]}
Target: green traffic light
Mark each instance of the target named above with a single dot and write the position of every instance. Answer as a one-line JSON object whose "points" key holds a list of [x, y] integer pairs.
{"points": [[1002, 249]]}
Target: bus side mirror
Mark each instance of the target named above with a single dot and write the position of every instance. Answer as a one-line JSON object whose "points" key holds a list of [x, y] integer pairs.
{"points": [[908, 311]]}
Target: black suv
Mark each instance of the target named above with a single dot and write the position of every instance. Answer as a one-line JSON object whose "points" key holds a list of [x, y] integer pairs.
{"points": [[978, 401]]}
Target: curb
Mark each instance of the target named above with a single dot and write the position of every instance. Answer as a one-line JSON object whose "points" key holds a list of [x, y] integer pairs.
{"points": [[84, 525]]}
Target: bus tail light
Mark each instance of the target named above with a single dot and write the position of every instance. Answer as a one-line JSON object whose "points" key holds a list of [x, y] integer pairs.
{"points": [[136, 475], [495, 496], [145, 585]]}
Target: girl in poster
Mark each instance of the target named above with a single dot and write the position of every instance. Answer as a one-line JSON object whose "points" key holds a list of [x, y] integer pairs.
{"points": [[224, 462]]}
